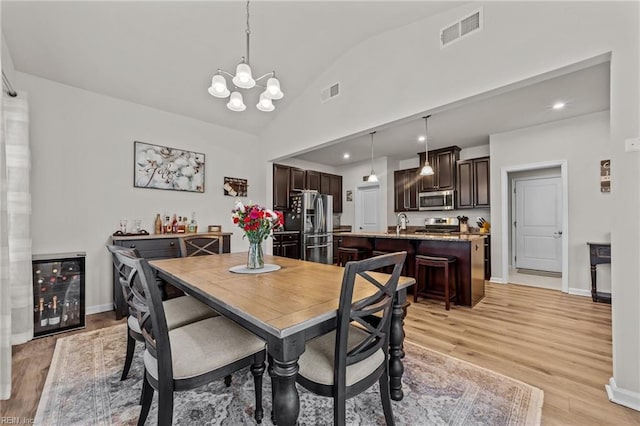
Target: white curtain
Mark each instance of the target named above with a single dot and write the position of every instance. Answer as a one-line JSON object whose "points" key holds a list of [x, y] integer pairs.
{"points": [[16, 290]]}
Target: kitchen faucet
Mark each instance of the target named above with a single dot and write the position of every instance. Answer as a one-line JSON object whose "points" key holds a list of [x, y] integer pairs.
{"points": [[401, 222]]}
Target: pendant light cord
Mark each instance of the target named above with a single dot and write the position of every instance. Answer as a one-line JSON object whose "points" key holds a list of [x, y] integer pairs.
{"points": [[426, 139], [372, 133]]}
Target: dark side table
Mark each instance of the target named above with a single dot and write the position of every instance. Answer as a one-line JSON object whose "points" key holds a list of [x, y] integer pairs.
{"points": [[599, 253]]}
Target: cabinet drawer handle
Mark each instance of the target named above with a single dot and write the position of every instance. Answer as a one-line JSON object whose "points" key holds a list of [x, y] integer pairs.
{"points": [[133, 246], [172, 243]]}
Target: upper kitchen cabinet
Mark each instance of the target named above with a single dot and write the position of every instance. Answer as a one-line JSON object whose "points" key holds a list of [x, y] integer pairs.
{"points": [[332, 185], [312, 180], [281, 186], [297, 179], [287, 179], [443, 162], [335, 189], [473, 183], [405, 190]]}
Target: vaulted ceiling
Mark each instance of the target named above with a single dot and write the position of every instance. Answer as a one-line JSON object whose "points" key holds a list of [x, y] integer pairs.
{"points": [[164, 53]]}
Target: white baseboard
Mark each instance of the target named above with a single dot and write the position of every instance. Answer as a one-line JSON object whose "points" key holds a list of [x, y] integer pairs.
{"points": [[622, 396], [497, 280], [580, 292], [96, 309]]}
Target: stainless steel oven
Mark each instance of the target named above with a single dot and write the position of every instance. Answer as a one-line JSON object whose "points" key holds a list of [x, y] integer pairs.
{"points": [[436, 200]]}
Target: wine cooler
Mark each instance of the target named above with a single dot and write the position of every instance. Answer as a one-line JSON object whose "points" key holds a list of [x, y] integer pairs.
{"points": [[58, 293]]}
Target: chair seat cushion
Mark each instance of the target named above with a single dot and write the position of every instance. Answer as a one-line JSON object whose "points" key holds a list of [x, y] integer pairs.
{"points": [[185, 310], [317, 361], [132, 323], [206, 345]]}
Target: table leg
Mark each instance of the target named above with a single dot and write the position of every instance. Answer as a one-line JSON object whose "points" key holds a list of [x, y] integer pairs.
{"points": [[396, 352], [594, 287], [286, 401]]}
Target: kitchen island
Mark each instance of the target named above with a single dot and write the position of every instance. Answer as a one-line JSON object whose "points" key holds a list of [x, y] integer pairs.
{"points": [[467, 248]]}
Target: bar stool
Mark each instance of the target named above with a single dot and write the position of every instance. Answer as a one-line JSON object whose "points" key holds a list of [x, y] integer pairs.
{"points": [[347, 254], [436, 261], [389, 269]]}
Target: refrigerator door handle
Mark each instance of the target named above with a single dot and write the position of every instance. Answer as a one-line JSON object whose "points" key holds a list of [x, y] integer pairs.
{"points": [[319, 246]]}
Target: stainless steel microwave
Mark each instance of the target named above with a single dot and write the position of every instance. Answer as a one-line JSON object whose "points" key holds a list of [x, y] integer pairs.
{"points": [[436, 200]]}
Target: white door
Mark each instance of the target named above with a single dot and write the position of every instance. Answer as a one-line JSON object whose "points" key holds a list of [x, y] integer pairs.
{"points": [[366, 219], [538, 224]]}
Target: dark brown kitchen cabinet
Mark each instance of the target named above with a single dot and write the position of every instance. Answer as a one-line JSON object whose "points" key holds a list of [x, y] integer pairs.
{"points": [[313, 180], [332, 185], [281, 186], [443, 162], [297, 179], [406, 190], [473, 184], [325, 183], [336, 191], [287, 179], [286, 244]]}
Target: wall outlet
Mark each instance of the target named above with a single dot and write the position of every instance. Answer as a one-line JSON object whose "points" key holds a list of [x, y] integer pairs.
{"points": [[632, 144]]}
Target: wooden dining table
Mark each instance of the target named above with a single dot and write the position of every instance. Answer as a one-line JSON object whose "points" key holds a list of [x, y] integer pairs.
{"points": [[286, 308]]}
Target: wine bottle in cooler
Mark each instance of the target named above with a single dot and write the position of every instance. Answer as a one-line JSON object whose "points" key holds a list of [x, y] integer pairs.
{"points": [[43, 315], [65, 313], [54, 317]]}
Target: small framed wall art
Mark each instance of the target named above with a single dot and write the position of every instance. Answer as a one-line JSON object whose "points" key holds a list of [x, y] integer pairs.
{"points": [[605, 176], [162, 167], [235, 187]]}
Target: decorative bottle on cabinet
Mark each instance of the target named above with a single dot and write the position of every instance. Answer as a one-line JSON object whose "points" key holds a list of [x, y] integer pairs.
{"points": [[193, 226], [158, 224]]}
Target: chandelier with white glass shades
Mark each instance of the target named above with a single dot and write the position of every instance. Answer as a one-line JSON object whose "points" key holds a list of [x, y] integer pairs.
{"points": [[244, 80]]}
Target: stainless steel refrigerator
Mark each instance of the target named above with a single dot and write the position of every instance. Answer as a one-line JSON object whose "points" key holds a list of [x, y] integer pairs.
{"points": [[312, 214]]}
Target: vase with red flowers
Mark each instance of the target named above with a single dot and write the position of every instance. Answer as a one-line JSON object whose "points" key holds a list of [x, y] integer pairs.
{"points": [[257, 223]]}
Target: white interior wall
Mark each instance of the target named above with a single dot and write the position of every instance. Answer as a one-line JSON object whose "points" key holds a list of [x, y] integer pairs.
{"points": [[352, 177], [582, 142], [7, 61], [82, 173], [519, 40]]}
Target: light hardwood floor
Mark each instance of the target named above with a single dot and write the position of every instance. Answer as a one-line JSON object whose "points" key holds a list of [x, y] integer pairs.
{"points": [[557, 342]]}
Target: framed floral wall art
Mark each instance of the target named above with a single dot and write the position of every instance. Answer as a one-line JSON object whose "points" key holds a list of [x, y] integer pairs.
{"points": [[162, 167]]}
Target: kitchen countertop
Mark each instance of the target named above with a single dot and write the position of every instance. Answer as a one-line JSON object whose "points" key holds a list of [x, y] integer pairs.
{"points": [[414, 236]]}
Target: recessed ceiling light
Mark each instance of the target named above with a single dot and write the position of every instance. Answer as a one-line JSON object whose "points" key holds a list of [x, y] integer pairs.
{"points": [[421, 138], [558, 105], [346, 155]]}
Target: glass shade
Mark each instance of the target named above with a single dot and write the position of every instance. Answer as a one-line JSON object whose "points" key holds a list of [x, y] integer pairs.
{"points": [[218, 87], [236, 103], [427, 170], [265, 103], [243, 78], [273, 89], [372, 177]]}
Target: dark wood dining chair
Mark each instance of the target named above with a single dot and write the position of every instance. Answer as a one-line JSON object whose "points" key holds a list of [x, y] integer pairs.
{"points": [[347, 361], [200, 245], [189, 356], [179, 311]]}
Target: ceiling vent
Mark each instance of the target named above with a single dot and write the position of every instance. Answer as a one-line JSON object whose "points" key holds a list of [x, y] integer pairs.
{"points": [[330, 92], [467, 25]]}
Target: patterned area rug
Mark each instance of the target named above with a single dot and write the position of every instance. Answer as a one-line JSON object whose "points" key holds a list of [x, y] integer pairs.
{"points": [[83, 387]]}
